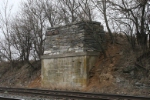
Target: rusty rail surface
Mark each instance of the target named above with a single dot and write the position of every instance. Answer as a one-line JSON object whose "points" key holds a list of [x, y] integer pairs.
{"points": [[69, 94]]}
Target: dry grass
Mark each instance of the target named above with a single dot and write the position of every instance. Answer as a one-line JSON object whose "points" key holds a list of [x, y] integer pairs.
{"points": [[19, 76], [108, 75], [36, 83]]}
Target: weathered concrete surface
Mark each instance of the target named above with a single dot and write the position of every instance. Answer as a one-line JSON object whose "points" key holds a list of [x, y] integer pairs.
{"points": [[76, 37], [70, 52], [70, 55], [69, 72]]}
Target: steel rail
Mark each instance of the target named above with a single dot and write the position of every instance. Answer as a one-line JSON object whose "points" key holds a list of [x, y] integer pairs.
{"points": [[58, 95], [6, 98], [70, 94]]}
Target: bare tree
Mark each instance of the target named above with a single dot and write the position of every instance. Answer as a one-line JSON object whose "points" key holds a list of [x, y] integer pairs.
{"points": [[6, 44], [36, 15], [68, 9], [86, 10], [102, 7], [29, 27], [22, 38], [52, 12], [133, 11]]}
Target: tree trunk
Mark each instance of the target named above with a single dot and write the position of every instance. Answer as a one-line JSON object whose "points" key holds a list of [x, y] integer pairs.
{"points": [[106, 21], [149, 41]]}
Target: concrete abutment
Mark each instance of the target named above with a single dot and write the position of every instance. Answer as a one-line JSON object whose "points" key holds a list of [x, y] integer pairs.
{"points": [[70, 52], [67, 71]]}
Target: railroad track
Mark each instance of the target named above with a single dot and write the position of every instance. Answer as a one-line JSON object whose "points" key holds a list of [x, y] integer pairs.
{"points": [[69, 94]]}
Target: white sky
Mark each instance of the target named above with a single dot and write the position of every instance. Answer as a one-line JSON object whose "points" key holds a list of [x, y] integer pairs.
{"points": [[17, 5], [14, 3], [15, 8]]}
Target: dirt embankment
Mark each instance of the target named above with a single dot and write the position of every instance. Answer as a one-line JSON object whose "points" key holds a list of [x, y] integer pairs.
{"points": [[120, 72], [21, 75], [123, 71]]}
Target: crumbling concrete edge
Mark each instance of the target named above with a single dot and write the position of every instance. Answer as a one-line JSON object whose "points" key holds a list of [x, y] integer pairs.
{"points": [[70, 55]]}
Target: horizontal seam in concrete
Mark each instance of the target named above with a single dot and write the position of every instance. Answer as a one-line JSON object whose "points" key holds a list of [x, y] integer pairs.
{"points": [[70, 55]]}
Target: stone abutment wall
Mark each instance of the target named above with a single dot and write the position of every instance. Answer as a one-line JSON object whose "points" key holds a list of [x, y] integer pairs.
{"points": [[70, 53]]}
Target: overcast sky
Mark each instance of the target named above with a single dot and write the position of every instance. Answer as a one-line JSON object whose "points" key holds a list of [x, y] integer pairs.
{"points": [[15, 3], [15, 8]]}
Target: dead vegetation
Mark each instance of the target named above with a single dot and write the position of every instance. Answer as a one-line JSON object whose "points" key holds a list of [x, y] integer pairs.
{"points": [[21, 75], [123, 71]]}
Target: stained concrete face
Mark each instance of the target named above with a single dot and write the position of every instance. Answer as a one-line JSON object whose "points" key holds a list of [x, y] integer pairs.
{"points": [[69, 72]]}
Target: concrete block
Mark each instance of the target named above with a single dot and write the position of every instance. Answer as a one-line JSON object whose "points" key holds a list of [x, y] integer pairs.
{"points": [[70, 71], [70, 54]]}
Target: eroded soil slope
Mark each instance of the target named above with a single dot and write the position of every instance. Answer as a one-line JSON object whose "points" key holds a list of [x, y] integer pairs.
{"points": [[123, 71]]}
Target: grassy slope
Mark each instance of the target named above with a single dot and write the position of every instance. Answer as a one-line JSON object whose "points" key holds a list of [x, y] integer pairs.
{"points": [[21, 75]]}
